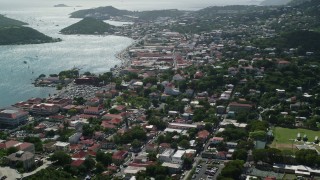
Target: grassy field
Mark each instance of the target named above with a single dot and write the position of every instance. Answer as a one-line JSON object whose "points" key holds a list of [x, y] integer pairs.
{"points": [[283, 136]]}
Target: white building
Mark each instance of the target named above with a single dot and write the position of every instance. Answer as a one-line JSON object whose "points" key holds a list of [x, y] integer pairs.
{"points": [[177, 157], [166, 155], [62, 146]]}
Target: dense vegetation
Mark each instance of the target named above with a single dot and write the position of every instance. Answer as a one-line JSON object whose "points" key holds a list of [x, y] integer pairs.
{"points": [[108, 11], [13, 32], [50, 173], [88, 26], [100, 12], [303, 40], [22, 35], [5, 22]]}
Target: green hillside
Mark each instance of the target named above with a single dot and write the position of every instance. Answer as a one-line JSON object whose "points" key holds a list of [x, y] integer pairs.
{"points": [[303, 40], [22, 35], [100, 12], [6, 22], [14, 32], [88, 26], [109, 11]]}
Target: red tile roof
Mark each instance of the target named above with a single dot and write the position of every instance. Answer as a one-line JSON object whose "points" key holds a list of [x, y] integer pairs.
{"points": [[203, 134], [77, 163], [25, 145], [80, 155]]}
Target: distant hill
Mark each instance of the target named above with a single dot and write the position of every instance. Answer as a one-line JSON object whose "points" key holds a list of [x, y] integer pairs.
{"points": [[7, 22], [14, 32], [88, 26], [109, 11], [274, 2], [100, 13], [297, 2], [310, 7]]}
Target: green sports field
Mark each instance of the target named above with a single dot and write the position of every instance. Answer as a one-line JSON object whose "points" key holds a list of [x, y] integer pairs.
{"points": [[283, 137]]}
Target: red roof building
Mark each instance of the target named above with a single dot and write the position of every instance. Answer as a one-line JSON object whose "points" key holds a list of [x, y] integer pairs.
{"points": [[77, 163], [203, 135]]}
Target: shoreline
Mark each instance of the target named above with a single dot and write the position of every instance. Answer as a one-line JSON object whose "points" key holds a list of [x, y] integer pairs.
{"points": [[124, 63]]}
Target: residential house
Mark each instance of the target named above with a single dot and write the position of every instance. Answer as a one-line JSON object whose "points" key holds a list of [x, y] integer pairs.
{"points": [[216, 140], [93, 110], [119, 156], [203, 135]]}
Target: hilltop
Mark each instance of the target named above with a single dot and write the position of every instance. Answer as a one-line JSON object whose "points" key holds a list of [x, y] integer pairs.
{"points": [[283, 2], [88, 26], [14, 32], [109, 11], [274, 2]]}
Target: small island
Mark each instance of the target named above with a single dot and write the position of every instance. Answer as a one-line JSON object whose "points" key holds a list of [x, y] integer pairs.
{"points": [[89, 26], [13, 32], [61, 5]]}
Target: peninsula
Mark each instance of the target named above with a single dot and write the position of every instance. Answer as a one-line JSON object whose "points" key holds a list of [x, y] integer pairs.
{"points": [[88, 26], [14, 32]]}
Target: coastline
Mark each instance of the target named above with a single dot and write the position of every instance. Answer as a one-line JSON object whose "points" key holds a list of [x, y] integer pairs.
{"points": [[125, 62], [123, 56]]}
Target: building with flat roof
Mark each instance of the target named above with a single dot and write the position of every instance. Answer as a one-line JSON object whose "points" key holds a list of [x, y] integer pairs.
{"points": [[173, 167], [182, 126], [177, 157], [166, 155], [62, 146], [132, 170], [13, 117], [26, 158]]}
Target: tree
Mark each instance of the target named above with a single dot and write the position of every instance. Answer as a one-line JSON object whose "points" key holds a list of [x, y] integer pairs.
{"points": [[270, 155], [87, 130], [50, 133], [12, 150], [233, 169], [99, 168], [187, 162], [152, 156], [52, 174], [240, 154], [136, 144], [61, 158], [72, 112], [114, 111], [184, 144], [89, 163], [222, 146], [104, 158], [258, 135], [307, 157]]}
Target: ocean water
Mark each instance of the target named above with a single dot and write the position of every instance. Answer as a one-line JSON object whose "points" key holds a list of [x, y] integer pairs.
{"points": [[90, 53]]}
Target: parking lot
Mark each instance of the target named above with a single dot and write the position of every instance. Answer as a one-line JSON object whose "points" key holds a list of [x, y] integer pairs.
{"points": [[207, 170]]}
